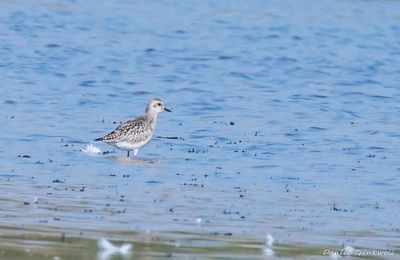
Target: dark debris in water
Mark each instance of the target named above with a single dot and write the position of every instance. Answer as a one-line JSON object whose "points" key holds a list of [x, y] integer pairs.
{"points": [[107, 152], [317, 128], [130, 83], [141, 93], [52, 45], [153, 182], [377, 206], [228, 212], [170, 137], [334, 208], [9, 102], [224, 123], [193, 185], [24, 156], [225, 57], [88, 83], [197, 151]]}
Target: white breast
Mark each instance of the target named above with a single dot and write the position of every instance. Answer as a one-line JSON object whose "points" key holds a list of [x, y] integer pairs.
{"points": [[130, 146]]}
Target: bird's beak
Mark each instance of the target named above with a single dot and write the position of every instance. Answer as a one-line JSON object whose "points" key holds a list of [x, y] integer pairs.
{"points": [[166, 109]]}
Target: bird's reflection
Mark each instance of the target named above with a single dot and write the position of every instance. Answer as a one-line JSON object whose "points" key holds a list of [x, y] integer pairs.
{"points": [[133, 160]]}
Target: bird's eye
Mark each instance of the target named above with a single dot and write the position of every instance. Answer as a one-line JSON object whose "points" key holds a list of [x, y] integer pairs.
{"points": [[159, 104]]}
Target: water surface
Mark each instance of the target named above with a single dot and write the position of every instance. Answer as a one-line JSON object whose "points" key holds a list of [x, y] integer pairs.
{"points": [[286, 118]]}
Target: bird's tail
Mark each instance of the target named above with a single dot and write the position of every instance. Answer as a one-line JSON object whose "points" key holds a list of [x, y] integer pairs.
{"points": [[99, 139]]}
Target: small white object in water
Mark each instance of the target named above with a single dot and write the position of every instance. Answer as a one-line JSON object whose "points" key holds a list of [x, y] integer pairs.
{"points": [[199, 220], [268, 252], [269, 243], [107, 249], [56, 258], [270, 240], [35, 200], [91, 149]]}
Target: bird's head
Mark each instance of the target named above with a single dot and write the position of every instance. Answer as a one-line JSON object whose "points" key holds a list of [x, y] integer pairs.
{"points": [[156, 106]]}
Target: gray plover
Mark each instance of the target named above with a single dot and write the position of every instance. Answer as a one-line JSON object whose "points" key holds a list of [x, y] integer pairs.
{"points": [[134, 134]]}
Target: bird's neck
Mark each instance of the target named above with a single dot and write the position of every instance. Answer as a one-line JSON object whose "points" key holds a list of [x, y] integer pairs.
{"points": [[152, 117]]}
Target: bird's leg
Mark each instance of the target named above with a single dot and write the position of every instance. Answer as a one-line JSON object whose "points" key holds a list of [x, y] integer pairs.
{"points": [[127, 154], [135, 152]]}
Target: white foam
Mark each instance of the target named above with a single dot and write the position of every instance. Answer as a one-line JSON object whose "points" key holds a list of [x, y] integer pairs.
{"points": [[91, 149]]}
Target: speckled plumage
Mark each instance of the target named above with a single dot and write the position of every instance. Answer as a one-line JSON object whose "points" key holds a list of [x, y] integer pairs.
{"points": [[134, 134], [132, 131]]}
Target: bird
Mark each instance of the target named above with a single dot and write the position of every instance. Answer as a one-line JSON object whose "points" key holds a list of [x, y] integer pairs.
{"points": [[134, 134]]}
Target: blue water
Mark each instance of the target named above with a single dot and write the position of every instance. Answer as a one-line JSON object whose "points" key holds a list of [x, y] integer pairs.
{"points": [[286, 113]]}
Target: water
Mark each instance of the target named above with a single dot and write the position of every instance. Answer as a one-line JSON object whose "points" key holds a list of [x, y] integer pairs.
{"points": [[286, 116]]}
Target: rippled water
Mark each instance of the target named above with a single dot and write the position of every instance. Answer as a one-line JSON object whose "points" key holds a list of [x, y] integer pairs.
{"points": [[285, 113]]}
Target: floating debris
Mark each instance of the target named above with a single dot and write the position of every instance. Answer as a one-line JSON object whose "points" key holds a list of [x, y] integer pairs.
{"points": [[169, 137], [269, 243], [270, 240], [24, 156]]}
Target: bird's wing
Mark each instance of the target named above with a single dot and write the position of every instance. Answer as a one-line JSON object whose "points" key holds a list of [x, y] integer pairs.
{"points": [[131, 131]]}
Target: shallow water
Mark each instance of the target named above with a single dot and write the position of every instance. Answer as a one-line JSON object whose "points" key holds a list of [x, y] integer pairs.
{"points": [[286, 116]]}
